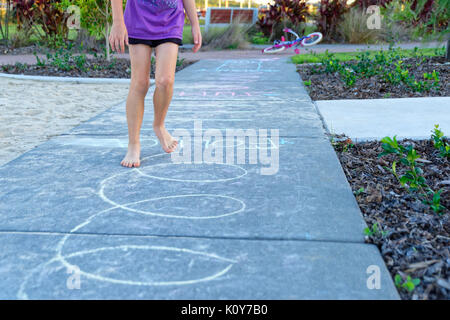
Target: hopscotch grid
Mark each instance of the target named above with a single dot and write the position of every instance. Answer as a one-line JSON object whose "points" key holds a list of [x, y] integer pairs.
{"points": [[62, 259]]}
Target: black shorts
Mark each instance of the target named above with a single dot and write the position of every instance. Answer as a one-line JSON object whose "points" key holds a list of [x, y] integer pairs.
{"points": [[154, 43]]}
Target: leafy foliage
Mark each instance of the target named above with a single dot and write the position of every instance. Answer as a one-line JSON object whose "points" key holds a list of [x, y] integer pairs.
{"points": [[425, 16], [413, 179], [440, 142], [408, 284], [282, 11], [387, 64], [330, 15], [44, 18]]}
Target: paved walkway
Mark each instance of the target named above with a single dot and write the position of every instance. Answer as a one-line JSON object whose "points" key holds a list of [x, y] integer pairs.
{"points": [[196, 230]]}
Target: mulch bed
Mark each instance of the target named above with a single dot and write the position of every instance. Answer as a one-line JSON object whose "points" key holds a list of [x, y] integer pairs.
{"points": [[4, 49], [417, 240], [331, 87], [95, 68]]}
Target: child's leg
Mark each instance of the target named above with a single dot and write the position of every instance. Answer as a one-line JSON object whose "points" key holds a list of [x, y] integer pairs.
{"points": [[166, 61], [140, 55]]}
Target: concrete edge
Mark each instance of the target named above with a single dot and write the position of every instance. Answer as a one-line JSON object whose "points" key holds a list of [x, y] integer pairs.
{"points": [[65, 79], [384, 99]]}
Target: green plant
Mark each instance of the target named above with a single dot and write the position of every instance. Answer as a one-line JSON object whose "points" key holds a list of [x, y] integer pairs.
{"points": [[413, 179], [386, 64], [63, 59], [422, 17], [280, 12], [232, 37], [259, 38], [375, 230], [440, 142], [307, 82], [359, 191], [4, 21], [409, 284], [95, 17], [353, 27], [180, 62], [329, 16]]}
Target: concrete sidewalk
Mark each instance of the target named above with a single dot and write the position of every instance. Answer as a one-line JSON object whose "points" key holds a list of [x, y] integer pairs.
{"points": [[373, 119], [197, 230]]}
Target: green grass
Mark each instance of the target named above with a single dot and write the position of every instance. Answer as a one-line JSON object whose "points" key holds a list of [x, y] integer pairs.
{"points": [[33, 39], [348, 56]]}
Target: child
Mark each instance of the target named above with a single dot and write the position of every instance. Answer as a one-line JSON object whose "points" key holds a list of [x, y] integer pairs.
{"points": [[148, 24]]}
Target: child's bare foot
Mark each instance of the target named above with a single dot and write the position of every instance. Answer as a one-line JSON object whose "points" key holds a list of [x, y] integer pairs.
{"points": [[168, 143], [132, 157]]}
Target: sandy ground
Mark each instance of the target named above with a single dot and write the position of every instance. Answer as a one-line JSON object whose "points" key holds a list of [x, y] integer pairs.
{"points": [[31, 112]]}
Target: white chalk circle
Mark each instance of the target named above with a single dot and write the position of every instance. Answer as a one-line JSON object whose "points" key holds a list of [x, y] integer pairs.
{"points": [[189, 206], [113, 261], [209, 172], [241, 144]]}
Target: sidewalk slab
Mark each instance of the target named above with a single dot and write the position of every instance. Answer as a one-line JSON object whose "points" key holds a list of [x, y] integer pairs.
{"points": [[210, 91], [293, 119], [248, 71], [373, 119], [37, 266]]}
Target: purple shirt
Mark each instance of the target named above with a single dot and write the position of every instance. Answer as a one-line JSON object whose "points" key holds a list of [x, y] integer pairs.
{"points": [[154, 19]]}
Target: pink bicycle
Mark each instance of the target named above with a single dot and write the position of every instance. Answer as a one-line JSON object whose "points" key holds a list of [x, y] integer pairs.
{"points": [[305, 41]]}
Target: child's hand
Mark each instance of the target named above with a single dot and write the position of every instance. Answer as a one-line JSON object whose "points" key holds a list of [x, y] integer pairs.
{"points": [[118, 37], [197, 36]]}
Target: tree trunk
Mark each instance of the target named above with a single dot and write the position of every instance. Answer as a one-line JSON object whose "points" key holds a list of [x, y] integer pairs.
{"points": [[108, 28], [108, 50]]}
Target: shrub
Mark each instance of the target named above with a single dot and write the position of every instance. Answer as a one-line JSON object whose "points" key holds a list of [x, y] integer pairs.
{"points": [[232, 37], [329, 16], [363, 4], [44, 18], [353, 27], [282, 11], [50, 17], [4, 22], [423, 16], [23, 12], [95, 18]]}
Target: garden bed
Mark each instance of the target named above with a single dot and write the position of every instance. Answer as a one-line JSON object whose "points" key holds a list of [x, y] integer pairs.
{"points": [[328, 83], [413, 240], [89, 68]]}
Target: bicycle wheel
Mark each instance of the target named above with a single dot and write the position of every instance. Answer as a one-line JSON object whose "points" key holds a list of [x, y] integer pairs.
{"points": [[274, 49], [312, 39]]}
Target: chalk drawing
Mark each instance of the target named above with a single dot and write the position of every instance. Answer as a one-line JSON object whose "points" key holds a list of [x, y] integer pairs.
{"points": [[63, 259], [197, 93], [241, 66], [242, 172], [167, 215], [256, 66], [240, 144]]}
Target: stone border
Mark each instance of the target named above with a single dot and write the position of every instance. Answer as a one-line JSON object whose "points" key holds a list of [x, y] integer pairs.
{"points": [[65, 79]]}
